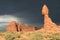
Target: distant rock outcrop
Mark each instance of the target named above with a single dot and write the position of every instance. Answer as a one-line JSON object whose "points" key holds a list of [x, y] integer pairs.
{"points": [[30, 28], [16, 27], [23, 27], [12, 27]]}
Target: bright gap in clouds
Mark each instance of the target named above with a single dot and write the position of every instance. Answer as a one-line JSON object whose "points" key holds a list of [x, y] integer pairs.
{"points": [[5, 19], [8, 18]]}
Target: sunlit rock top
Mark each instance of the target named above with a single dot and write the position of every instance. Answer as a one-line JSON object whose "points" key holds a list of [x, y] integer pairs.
{"points": [[45, 10]]}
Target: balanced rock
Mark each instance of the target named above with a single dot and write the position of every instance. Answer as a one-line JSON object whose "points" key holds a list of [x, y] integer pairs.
{"points": [[45, 10], [48, 24]]}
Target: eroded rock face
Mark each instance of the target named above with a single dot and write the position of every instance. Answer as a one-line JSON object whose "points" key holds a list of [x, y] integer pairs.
{"points": [[22, 27], [26, 28], [48, 24], [16, 27], [12, 27]]}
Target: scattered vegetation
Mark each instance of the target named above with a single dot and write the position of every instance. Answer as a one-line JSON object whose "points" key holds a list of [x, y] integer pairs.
{"points": [[30, 36]]}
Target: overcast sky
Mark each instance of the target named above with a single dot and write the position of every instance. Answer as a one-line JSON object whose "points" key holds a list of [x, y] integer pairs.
{"points": [[29, 11]]}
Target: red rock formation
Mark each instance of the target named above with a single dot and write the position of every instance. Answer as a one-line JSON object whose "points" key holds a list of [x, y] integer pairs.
{"points": [[16, 27], [48, 24], [45, 10], [26, 28], [23, 26], [12, 27], [30, 28]]}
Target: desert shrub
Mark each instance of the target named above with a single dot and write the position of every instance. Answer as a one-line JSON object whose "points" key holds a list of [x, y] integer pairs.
{"points": [[12, 36], [53, 36], [30, 36], [17, 35], [1, 34], [36, 36]]}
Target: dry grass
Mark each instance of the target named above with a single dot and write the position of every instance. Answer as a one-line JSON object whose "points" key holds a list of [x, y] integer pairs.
{"points": [[29, 36]]}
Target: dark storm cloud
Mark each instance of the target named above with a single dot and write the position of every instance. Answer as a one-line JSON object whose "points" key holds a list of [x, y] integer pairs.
{"points": [[54, 10], [30, 10]]}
